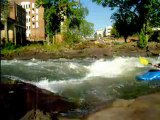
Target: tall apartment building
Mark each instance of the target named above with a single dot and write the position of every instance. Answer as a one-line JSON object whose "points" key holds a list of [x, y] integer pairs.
{"points": [[35, 25]]}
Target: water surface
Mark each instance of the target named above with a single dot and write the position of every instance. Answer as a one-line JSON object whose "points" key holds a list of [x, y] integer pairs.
{"points": [[88, 82]]}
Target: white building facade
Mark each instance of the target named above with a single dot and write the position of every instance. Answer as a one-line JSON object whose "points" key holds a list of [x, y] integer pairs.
{"points": [[107, 31]]}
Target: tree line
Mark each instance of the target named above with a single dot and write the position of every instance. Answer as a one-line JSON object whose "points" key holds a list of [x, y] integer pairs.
{"points": [[134, 16]]}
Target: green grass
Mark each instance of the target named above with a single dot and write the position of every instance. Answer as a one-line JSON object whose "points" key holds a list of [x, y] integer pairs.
{"points": [[9, 49]]}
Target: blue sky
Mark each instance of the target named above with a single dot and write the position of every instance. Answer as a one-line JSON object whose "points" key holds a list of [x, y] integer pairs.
{"points": [[98, 15]]}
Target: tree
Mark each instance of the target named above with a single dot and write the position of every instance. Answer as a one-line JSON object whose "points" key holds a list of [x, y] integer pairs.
{"points": [[86, 28], [114, 31], [5, 12], [57, 11], [125, 22], [143, 12]]}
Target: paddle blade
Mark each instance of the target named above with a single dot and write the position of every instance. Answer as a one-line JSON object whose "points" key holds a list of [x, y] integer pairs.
{"points": [[143, 61]]}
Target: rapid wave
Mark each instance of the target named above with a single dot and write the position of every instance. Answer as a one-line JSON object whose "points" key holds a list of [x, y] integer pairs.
{"points": [[55, 74]]}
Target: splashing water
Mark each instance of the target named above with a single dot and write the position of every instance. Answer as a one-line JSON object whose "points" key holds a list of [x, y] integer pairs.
{"points": [[83, 80]]}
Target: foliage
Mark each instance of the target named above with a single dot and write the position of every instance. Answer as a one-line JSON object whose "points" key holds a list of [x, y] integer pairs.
{"points": [[9, 46], [86, 29], [5, 13], [5, 9], [114, 32], [143, 39], [76, 34], [57, 11], [133, 14]]}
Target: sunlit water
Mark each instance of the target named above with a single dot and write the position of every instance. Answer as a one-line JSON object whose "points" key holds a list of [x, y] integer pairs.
{"points": [[88, 82]]}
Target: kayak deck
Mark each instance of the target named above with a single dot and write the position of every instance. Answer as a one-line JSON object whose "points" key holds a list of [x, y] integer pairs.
{"points": [[150, 75]]}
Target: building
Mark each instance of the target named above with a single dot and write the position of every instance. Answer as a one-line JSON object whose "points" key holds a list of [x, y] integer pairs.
{"points": [[99, 33], [104, 32], [16, 24], [35, 24], [107, 31]]}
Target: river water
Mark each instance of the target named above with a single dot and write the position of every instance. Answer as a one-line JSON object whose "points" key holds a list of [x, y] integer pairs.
{"points": [[88, 82]]}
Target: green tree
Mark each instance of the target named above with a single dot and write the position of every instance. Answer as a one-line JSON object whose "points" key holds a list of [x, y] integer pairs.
{"points": [[142, 12], [57, 11], [86, 29], [114, 31], [125, 22], [76, 34]]}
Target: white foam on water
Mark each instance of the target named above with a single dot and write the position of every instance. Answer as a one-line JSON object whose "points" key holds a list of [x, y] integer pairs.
{"points": [[116, 67], [73, 66], [112, 68], [31, 64], [55, 86]]}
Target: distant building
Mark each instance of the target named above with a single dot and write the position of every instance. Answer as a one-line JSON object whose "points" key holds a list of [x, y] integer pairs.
{"points": [[99, 33], [16, 24], [107, 31], [104, 32], [35, 25]]}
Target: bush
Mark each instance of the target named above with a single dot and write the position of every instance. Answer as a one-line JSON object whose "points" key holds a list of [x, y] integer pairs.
{"points": [[72, 36], [143, 40], [9, 46]]}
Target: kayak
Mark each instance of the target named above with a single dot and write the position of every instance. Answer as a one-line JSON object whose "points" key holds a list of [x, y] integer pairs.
{"points": [[150, 75]]}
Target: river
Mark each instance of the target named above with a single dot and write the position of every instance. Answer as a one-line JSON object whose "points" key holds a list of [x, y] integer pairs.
{"points": [[89, 82]]}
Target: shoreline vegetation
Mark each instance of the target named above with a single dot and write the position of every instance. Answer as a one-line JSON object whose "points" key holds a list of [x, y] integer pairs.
{"points": [[87, 49]]}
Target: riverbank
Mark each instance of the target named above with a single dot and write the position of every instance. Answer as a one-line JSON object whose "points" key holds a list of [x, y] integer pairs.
{"points": [[83, 50]]}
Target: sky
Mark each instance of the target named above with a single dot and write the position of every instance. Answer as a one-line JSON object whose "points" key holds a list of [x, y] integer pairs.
{"points": [[98, 15]]}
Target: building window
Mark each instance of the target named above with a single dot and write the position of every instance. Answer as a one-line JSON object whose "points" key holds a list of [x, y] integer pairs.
{"points": [[32, 5], [37, 25], [36, 11], [36, 17]]}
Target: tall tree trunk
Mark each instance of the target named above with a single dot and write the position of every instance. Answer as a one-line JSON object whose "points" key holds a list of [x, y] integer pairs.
{"points": [[15, 35], [125, 39], [48, 42]]}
